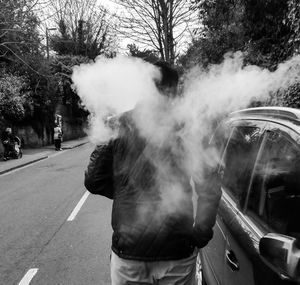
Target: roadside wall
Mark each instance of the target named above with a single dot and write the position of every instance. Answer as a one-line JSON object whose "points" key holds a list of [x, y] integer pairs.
{"points": [[72, 129], [30, 138]]}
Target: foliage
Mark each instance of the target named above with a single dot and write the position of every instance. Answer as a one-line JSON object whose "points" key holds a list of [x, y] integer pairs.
{"points": [[18, 30], [222, 32], [22, 58], [83, 29], [256, 27], [266, 31], [61, 67], [29, 87], [13, 93], [293, 19], [272, 28], [145, 54], [41, 96], [161, 25]]}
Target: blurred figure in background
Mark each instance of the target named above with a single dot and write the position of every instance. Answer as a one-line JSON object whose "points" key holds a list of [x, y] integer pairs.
{"points": [[9, 141], [57, 137]]}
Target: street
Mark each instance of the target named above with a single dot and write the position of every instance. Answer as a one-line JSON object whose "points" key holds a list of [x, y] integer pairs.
{"points": [[46, 235]]}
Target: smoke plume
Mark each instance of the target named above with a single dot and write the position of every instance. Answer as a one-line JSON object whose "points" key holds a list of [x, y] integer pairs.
{"points": [[112, 86]]}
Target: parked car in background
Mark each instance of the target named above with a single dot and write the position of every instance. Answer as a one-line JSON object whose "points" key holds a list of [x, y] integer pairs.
{"points": [[257, 233]]}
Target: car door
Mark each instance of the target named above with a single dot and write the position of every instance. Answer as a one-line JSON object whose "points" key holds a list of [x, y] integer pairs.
{"points": [[273, 200], [238, 162], [212, 256], [238, 263], [217, 256]]}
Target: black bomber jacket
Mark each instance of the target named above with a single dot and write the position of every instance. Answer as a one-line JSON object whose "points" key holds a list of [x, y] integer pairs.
{"points": [[152, 214]]}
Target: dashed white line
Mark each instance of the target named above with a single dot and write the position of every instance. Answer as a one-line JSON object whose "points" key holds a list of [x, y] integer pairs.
{"points": [[28, 276], [78, 206], [33, 271]]}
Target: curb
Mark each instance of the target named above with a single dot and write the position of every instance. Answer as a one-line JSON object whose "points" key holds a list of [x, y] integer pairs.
{"points": [[37, 159], [74, 146], [23, 164]]}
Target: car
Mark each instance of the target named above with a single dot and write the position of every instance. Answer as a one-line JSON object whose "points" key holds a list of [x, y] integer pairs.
{"points": [[257, 232]]}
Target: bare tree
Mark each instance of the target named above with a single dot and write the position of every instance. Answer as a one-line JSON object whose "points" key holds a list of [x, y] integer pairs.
{"points": [[160, 24], [84, 25]]}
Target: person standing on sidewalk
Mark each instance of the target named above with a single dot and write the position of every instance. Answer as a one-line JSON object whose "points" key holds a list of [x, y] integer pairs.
{"points": [[151, 244], [57, 137]]}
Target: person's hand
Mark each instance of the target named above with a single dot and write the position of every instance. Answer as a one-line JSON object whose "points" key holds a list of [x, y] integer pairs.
{"points": [[201, 238]]}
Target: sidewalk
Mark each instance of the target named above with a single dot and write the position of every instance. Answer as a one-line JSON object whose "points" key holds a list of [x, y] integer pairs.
{"points": [[31, 155]]}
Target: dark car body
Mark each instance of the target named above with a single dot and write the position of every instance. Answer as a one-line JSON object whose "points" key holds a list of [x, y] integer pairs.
{"points": [[257, 234]]}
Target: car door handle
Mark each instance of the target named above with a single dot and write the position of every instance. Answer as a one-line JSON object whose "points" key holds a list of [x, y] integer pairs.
{"points": [[232, 260]]}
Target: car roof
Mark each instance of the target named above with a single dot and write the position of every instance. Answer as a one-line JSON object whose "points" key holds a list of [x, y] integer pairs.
{"points": [[283, 115]]}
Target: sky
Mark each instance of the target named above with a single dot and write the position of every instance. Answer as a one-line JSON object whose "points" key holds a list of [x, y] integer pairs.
{"points": [[113, 8], [48, 22], [109, 4]]}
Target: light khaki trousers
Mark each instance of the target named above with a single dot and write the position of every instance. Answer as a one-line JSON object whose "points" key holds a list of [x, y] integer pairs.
{"points": [[175, 272]]}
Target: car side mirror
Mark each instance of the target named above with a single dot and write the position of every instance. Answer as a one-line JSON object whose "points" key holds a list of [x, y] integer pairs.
{"points": [[282, 254]]}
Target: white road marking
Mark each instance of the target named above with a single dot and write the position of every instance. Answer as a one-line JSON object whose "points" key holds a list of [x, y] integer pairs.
{"points": [[28, 276], [50, 155], [78, 206]]}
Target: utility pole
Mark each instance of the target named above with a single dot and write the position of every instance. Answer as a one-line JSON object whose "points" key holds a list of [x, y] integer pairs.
{"points": [[47, 40]]}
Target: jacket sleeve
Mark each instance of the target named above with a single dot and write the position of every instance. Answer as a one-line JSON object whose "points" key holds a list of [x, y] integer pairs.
{"points": [[209, 194], [99, 173]]}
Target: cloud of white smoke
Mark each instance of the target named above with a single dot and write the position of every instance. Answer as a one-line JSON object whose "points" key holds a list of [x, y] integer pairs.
{"points": [[117, 85], [112, 86]]}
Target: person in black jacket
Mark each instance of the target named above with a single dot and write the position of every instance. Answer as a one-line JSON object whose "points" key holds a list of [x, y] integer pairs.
{"points": [[155, 236]]}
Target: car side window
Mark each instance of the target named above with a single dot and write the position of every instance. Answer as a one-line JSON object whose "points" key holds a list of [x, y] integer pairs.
{"points": [[275, 188], [238, 160]]}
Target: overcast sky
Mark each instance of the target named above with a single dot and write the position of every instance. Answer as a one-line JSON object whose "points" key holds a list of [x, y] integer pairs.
{"points": [[109, 4], [113, 8]]}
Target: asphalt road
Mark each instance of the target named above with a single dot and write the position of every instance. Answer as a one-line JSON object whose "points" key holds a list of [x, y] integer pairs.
{"points": [[45, 236]]}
